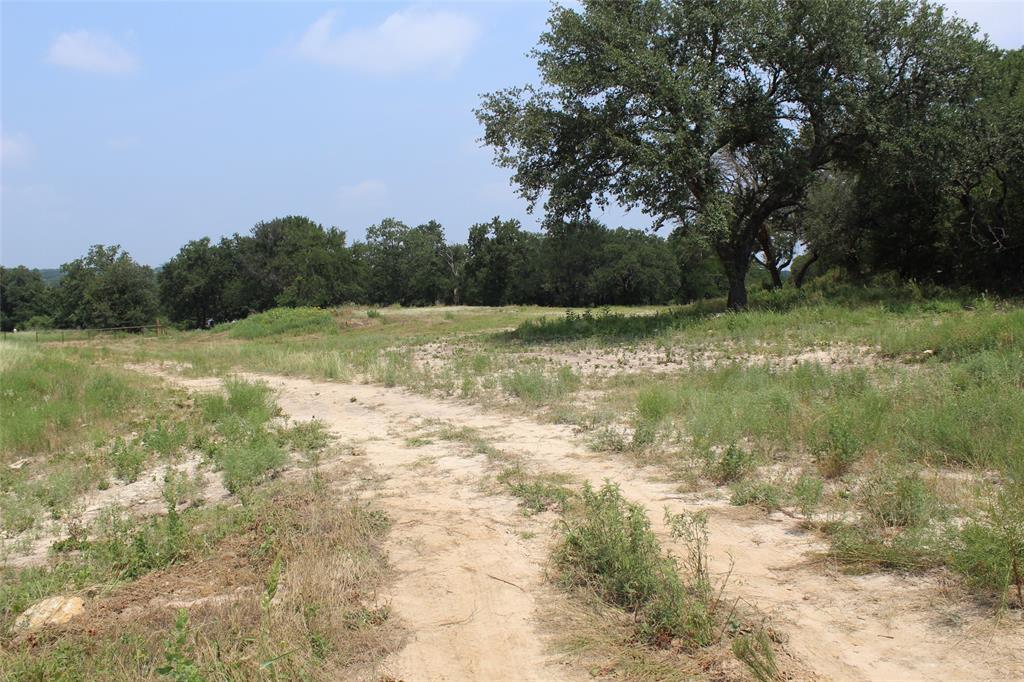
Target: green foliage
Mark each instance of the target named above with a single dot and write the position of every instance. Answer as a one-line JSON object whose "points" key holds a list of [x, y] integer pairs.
{"points": [[536, 493], [25, 300], [179, 664], [807, 492], [129, 459], [280, 321], [769, 496], [535, 386], [732, 465], [899, 499], [106, 288], [653, 405], [989, 551], [609, 547]]}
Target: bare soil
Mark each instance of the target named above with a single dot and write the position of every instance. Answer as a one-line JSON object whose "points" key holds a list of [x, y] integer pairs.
{"points": [[472, 591]]}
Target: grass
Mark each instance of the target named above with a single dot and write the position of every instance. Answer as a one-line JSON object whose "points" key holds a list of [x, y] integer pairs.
{"points": [[608, 547], [281, 321]]}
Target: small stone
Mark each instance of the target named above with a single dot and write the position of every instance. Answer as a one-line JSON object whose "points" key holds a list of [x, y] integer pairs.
{"points": [[50, 611]]}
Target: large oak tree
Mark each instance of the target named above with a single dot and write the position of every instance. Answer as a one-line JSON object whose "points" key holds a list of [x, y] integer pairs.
{"points": [[717, 115]]}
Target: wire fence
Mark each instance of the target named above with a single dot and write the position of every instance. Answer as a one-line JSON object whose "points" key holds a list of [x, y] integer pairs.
{"points": [[64, 335]]}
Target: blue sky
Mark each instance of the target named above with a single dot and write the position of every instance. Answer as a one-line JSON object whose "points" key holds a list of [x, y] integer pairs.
{"points": [[149, 124]]}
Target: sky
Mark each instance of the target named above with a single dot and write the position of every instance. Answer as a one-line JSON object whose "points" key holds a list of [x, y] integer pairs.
{"points": [[148, 124]]}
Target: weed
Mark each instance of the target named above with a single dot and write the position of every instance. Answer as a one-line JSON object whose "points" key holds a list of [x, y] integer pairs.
{"points": [[764, 494], [128, 459], [989, 551], [279, 321], [807, 492], [374, 314], [536, 493], [609, 547], [247, 463], [733, 464], [837, 445], [899, 499], [534, 386], [755, 652], [179, 664], [653, 406]]}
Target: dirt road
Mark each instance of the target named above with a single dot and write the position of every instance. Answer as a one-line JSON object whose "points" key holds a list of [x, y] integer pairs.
{"points": [[470, 584]]}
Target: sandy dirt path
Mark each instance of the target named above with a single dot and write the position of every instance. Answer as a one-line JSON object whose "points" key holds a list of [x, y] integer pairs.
{"points": [[452, 542]]}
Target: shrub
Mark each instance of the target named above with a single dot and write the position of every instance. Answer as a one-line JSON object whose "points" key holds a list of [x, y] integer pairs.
{"points": [[837, 445], [128, 459], [733, 465], [609, 547], [653, 405], [755, 652], [899, 499], [989, 552], [246, 463], [764, 494], [807, 493]]}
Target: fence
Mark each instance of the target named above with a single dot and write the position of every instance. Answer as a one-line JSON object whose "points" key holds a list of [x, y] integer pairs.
{"points": [[63, 335]]}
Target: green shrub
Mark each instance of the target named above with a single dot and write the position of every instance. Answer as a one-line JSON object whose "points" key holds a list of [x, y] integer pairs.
{"points": [[838, 444], [129, 459], [537, 493], [536, 387], [807, 493], [733, 464], [989, 552], [245, 464], [653, 405], [899, 499], [609, 546], [764, 494]]}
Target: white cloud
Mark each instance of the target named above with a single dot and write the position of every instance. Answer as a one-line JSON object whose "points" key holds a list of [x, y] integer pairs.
{"points": [[410, 40], [365, 192], [15, 149], [93, 52]]}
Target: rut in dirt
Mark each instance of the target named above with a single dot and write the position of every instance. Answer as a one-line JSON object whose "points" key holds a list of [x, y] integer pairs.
{"points": [[841, 627]]}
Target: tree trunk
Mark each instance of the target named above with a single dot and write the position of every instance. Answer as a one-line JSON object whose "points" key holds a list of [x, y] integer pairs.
{"points": [[737, 289], [771, 261], [798, 278]]}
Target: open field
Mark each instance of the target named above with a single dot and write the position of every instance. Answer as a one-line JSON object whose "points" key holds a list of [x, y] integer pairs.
{"points": [[827, 486]]}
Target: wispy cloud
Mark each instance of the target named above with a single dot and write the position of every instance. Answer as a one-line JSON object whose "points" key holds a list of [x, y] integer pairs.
{"points": [[15, 149], [92, 52], [406, 41], [365, 192]]}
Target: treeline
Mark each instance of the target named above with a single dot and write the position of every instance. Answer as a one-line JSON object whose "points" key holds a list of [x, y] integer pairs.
{"points": [[294, 261]]}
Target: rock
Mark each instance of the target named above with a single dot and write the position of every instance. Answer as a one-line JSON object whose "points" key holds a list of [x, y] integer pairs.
{"points": [[50, 611]]}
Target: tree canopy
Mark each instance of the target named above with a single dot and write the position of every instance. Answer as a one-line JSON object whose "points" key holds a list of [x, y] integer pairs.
{"points": [[717, 117]]}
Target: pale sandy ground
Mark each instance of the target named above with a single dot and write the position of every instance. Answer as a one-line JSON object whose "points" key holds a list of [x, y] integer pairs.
{"points": [[471, 590]]}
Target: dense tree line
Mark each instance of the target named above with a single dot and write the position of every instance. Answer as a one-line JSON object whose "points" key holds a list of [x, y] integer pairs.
{"points": [[775, 139]]}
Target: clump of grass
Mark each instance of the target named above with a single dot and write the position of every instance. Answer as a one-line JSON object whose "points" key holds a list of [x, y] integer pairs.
{"points": [[608, 546], [897, 499], [536, 492], [281, 321], [128, 460], [653, 406], [838, 444], [307, 437], [534, 386], [765, 494], [374, 314], [732, 465], [989, 551], [807, 493], [755, 651]]}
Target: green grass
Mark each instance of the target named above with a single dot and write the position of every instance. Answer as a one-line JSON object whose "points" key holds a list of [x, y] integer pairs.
{"points": [[281, 321], [608, 547]]}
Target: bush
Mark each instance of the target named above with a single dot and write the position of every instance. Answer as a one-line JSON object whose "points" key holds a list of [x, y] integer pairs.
{"points": [[128, 459], [653, 405], [989, 552], [734, 464], [609, 547], [766, 495], [807, 493], [899, 499]]}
